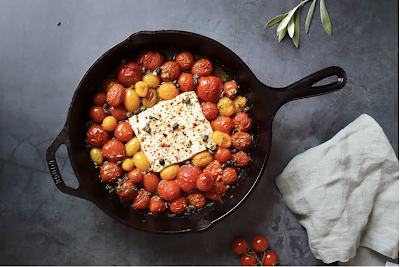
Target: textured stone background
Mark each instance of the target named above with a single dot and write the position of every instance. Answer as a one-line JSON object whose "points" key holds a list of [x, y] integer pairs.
{"points": [[41, 64]]}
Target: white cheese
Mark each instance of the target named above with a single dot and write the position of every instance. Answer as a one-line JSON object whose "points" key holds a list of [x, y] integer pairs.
{"points": [[165, 142]]}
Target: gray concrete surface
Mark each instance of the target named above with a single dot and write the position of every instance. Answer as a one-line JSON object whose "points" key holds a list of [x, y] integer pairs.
{"points": [[41, 64]]}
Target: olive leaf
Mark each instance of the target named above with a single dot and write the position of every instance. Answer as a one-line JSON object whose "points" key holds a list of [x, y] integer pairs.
{"points": [[296, 36], [287, 19], [282, 34], [275, 20], [290, 27], [310, 15], [325, 20]]}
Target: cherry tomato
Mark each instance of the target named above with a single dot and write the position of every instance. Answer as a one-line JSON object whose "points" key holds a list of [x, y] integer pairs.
{"points": [[108, 83], [123, 132], [186, 82], [240, 159], [142, 200], [150, 182], [129, 73], [99, 99], [110, 172], [202, 67], [222, 154], [230, 89], [97, 136], [269, 258], [178, 205], [109, 123], [259, 243], [97, 114], [115, 95], [213, 196], [214, 169], [127, 191], [223, 124], [240, 245], [168, 190], [184, 60], [135, 176], [229, 175], [114, 150], [241, 140], [216, 193], [209, 89], [210, 111], [248, 259], [150, 60], [205, 182], [197, 199], [119, 112], [157, 205], [242, 122], [170, 71], [187, 177]]}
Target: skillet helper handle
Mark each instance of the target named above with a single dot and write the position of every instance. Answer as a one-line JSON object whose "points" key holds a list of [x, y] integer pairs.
{"points": [[62, 138], [304, 87]]}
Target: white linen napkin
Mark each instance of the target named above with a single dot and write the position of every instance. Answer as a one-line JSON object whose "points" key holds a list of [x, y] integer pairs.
{"points": [[346, 192]]}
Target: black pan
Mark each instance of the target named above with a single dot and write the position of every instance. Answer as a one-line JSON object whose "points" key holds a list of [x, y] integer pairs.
{"points": [[264, 101]]}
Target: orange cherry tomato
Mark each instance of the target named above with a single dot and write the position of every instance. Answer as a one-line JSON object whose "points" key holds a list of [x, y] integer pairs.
{"points": [[186, 82], [123, 132], [210, 111], [150, 60], [202, 67], [129, 73], [114, 150], [115, 95], [210, 88], [184, 60], [97, 114]]}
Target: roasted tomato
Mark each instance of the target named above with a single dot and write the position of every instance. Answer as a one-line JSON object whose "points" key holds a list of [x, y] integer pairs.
{"points": [[97, 136], [222, 154], [230, 89], [119, 112], [205, 182], [168, 190], [197, 199], [150, 182], [213, 196], [97, 114], [108, 83], [240, 159], [214, 169], [110, 172], [127, 191], [129, 73], [202, 67], [242, 122], [223, 124], [170, 71], [114, 150], [229, 175], [178, 205], [123, 132], [186, 82], [184, 60], [99, 99], [142, 200], [241, 140], [150, 60], [210, 111], [115, 95], [210, 88], [216, 193], [157, 205], [135, 176], [187, 177]]}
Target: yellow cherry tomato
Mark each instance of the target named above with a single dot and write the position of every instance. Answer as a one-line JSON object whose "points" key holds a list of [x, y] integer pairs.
{"points": [[141, 162], [240, 103], [170, 172], [131, 100], [97, 156], [202, 159], [141, 88], [152, 81], [109, 123], [167, 91], [132, 146], [127, 165], [226, 107], [221, 139], [151, 98]]}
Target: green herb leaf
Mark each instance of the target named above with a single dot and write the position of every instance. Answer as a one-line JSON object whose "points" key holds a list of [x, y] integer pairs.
{"points": [[284, 23], [310, 15], [275, 20], [296, 36], [325, 20], [290, 27], [282, 34]]}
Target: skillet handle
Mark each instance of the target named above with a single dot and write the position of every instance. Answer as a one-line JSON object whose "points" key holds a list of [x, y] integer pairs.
{"points": [[304, 87], [62, 138]]}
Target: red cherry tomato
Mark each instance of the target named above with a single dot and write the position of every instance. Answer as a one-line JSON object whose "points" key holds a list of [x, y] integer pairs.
{"points": [[127, 191], [242, 122], [110, 172], [240, 159], [248, 259], [115, 95], [213, 169], [209, 88], [184, 60], [157, 205], [168, 190], [259, 243], [99, 99], [210, 111], [97, 114], [229, 175], [187, 177], [240, 245], [170, 71], [114, 150], [129, 73], [202, 67], [150, 60], [123, 132], [223, 124], [205, 182], [135, 176], [142, 200], [150, 182], [241, 140], [222, 154], [269, 258], [230, 89], [185, 82], [119, 112], [178, 205], [197, 199], [97, 136]]}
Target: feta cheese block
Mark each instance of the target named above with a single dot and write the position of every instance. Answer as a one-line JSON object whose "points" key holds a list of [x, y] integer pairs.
{"points": [[172, 131]]}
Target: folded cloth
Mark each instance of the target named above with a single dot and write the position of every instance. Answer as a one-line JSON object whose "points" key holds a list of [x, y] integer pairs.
{"points": [[346, 192]]}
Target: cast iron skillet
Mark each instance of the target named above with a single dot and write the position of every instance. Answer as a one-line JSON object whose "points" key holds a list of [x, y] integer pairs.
{"points": [[264, 100]]}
